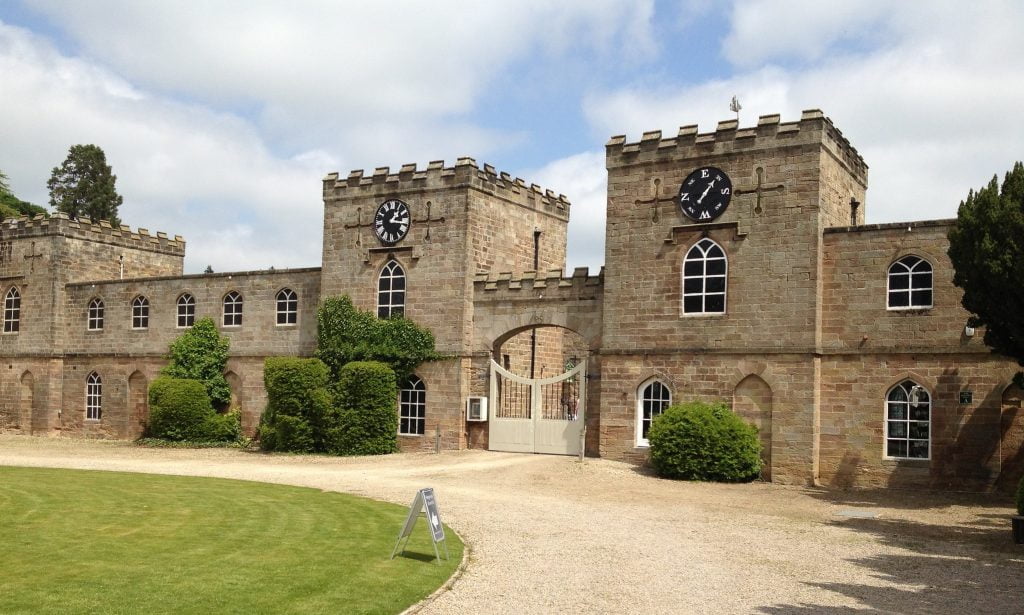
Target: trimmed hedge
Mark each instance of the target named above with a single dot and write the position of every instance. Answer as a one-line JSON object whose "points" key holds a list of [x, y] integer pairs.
{"points": [[201, 354], [366, 396], [699, 441], [299, 413], [180, 409]]}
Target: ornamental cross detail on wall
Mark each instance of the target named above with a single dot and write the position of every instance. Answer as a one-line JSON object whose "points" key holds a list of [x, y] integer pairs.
{"points": [[32, 256], [657, 200], [759, 189], [426, 220]]}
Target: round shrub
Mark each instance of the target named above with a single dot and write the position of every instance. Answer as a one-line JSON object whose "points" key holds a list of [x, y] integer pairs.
{"points": [[699, 441], [366, 397], [225, 427], [178, 409]]}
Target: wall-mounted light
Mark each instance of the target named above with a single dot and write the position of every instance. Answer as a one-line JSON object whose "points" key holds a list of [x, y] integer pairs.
{"points": [[969, 331]]}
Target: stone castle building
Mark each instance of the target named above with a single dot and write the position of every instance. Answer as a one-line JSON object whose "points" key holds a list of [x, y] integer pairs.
{"points": [[737, 268]]}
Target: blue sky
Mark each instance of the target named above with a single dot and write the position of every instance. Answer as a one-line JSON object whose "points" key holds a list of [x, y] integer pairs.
{"points": [[220, 118]]}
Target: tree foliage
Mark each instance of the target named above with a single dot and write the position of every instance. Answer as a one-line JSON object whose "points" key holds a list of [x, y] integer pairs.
{"points": [[11, 206], [201, 354], [83, 185], [986, 247], [699, 441], [347, 334]]}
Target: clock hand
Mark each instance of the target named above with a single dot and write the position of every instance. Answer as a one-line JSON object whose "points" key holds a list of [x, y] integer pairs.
{"points": [[706, 190]]}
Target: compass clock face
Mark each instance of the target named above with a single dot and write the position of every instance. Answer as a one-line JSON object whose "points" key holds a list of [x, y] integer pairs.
{"points": [[705, 194], [391, 222]]}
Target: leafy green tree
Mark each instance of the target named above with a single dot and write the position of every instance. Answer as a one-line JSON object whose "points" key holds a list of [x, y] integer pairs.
{"points": [[346, 334], [986, 247], [84, 186], [11, 206], [201, 354]]}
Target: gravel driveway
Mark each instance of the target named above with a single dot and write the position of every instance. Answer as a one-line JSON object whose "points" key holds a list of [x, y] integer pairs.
{"points": [[551, 535]]}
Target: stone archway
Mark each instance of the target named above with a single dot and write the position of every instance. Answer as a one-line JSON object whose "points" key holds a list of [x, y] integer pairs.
{"points": [[138, 405], [1011, 440], [752, 401], [26, 402]]}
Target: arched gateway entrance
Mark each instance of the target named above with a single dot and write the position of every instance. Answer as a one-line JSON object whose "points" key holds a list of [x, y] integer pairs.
{"points": [[538, 415]]}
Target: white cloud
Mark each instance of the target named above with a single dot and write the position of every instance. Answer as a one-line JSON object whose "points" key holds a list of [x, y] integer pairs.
{"points": [[934, 111], [583, 178]]}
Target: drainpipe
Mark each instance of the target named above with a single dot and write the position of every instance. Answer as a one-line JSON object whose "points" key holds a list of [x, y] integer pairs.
{"points": [[533, 332]]}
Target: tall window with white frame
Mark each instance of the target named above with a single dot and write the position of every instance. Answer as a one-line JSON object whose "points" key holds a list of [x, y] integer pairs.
{"points": [[140, 313], [95, 315], [652, 399], [233, 309], [704, 275], [908, 422], [391, 291], [93, 397], [910, 284], [12, 311], [186, 311], [412, 408], [287, 307]]}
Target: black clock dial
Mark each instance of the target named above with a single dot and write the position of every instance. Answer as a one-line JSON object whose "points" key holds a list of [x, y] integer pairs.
{"points": [[705, 194], [392, 220]]}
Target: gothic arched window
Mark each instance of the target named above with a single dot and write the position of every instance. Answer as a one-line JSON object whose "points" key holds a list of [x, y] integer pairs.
{"points": [[95, 320], [391, 291], [704, 271], [908, 421], [140, 313], [652, 398], [12, 311], [412, 407], [93, 397], [186, 311], [287, 307], [910, 284], [233, 309]]}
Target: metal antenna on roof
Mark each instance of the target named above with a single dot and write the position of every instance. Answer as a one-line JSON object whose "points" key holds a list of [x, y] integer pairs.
{"points": [[735, 107]]}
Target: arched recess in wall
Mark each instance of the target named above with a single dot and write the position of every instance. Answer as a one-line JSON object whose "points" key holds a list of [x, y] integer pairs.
{"points": [[138, 404], [235, 384], [752, 401], [1011, 438], [26, 402]]}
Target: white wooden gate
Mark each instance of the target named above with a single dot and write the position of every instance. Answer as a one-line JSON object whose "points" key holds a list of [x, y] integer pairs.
{"points": [[542, 415]]}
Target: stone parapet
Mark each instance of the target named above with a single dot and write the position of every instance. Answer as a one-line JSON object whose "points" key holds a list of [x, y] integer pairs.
{"points": [[728, 137], [553, 280], [60, 224], [437, 176]]}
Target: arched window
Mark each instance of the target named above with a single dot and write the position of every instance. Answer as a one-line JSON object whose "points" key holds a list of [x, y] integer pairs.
{"points": [[12, 311], [287, 307], [232, 309], [140, 313], [910, 284], [704, 270], [93, 397], [412, 407], [651, 400], [95, 314], [908, 421], [186, 311], [391, 291]]}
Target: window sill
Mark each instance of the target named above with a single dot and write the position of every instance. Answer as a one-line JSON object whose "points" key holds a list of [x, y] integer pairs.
{"points": [[293, 325], [410, 435], [140, 328], [703, 315], [906, 462], [912, 309], [94, 331]]}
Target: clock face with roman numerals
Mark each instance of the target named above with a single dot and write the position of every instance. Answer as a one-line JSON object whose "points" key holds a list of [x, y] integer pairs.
{"points": [[391, 222], [705, 194]]}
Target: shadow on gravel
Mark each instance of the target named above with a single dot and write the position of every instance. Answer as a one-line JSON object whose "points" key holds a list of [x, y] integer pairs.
{"points": [[909, 500], [944, 569]]}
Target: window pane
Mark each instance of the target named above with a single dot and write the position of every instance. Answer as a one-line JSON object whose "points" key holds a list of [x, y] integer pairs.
{"points": [[715, 252], [899, 281], [693, 285], [716, 303], [919, 412], [918, 449], [897, 429], [922, 297], [716, 267], [899, 299], [919, 430], [897, 411], [398, 283], [693, 305], [716, 285], [897, 448], [923, 280], [692, 267]]}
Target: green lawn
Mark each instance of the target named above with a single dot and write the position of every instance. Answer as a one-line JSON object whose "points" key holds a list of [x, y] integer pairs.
{"points": [[104, 542]]}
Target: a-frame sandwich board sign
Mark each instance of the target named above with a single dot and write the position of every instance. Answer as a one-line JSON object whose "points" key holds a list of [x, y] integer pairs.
{"points": [[424, 499]]}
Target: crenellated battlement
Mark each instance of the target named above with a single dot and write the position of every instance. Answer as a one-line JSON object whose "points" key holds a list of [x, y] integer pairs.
{"points": [[728, 137], [554, 282], [436, 175], [84, 228]]}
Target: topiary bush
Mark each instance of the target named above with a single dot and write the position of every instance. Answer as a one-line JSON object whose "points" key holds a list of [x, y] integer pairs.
{"points": [[178, 409], [699, 441], [366, 398], [299, 412], [201, 354]]}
